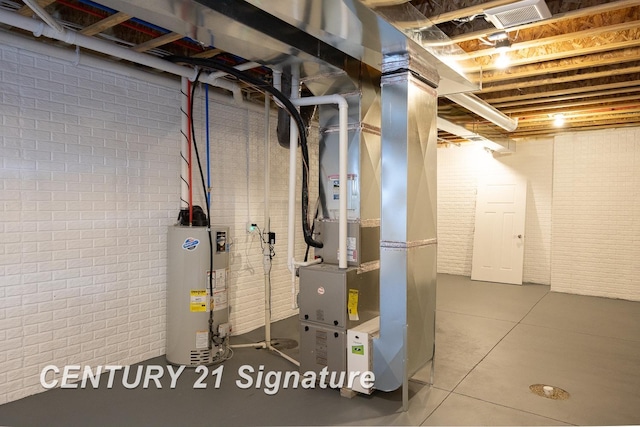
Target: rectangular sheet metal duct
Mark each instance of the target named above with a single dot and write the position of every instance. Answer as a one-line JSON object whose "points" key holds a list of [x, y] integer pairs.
{"points": [[408, 220]]}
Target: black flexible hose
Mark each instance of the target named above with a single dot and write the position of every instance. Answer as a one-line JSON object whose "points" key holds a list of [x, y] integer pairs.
{"points": [[240, 75]]}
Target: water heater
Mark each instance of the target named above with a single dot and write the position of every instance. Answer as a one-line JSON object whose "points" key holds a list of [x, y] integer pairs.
{"points": [[189, 300]]}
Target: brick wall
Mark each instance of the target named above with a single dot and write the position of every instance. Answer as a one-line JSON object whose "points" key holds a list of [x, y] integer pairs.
{"points": [[89, 183], [459, 169], [237, 177], [596, 214], [583, 204]]}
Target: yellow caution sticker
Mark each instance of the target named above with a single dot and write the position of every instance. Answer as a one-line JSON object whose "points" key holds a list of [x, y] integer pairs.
{"points": [[352, 305], [198, 300]]}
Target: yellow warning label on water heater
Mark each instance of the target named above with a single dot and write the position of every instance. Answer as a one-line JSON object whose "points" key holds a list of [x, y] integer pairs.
{"points": [[198, 300], [352, 305]]}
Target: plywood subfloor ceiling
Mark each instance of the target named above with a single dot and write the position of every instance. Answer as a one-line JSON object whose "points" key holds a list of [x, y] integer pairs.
{"points": [[583, 62]]}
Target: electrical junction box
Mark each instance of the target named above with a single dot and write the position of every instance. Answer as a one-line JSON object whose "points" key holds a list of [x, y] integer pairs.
{"points": [[189, 297], [360, 351]]}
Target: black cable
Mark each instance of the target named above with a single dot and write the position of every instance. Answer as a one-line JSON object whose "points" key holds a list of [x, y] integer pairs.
{"points": [[313, 227], [206, 201], [264, 241], [240, 75]]}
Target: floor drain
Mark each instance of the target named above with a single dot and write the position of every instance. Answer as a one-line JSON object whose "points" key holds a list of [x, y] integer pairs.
{"points": [[549, 391], [284, 343]]}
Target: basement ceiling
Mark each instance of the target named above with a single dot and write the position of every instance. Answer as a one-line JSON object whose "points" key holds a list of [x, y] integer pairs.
{"points": [[582, 63]]}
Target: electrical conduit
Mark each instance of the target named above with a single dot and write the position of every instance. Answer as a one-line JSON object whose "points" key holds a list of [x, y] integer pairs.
{"points": [[184, 147]]}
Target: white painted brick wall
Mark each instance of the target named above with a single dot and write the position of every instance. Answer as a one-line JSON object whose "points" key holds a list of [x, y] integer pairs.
{"points": [[83, 179], [237, 177], [89, 183], [596, 214], [459, 169]]}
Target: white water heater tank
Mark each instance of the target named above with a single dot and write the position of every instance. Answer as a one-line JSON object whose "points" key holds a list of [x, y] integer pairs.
{"points": [[189, 299]]}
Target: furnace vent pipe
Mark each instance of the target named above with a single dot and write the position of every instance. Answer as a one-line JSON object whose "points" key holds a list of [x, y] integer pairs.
{"points": [[38, 28], [476, 105], [343, 115], [293, 151]]}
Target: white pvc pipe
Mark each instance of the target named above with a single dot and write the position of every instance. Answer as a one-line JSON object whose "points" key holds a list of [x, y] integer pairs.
{"points": [[293, 151], [277, 83], [250, 345], [343, 149], [481, 108], [267, 223], [277, 79], [285, 356], [74, 38], [184, 146], [242, 67], [306, 263], [44, 15]]}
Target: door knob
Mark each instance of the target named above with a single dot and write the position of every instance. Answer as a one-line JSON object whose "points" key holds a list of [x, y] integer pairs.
{"points": [[519, 236]]}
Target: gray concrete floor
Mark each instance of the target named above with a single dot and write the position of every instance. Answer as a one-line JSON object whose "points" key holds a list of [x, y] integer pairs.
{"points": [[493, 341]]}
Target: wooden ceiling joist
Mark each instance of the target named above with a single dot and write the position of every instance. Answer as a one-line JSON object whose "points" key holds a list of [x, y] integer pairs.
{"points": [[103, 24], [26, 10], [158, 41], [560, 66], [564, 91], [210, 53], [542, 132], [559, 80], [560, 54], [567, 98], [591, 33], [575, 116], [570, 106]]}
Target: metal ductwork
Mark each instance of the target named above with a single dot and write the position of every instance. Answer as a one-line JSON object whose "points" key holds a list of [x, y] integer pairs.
{"points": [[408, 220], [481, 108], [465, 133], [318, 35], [389, 81]]}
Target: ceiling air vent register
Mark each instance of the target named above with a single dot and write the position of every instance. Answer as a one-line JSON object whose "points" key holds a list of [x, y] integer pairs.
{"points": [[518, 13]]}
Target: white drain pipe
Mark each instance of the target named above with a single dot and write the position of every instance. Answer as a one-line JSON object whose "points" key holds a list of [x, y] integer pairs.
{"points": [[293, 161], [39, 28], [343, 111], [44, 15], [343, 149]]}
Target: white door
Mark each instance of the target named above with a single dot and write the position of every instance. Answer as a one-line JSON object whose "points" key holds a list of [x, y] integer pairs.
{"points": [[498, 243]]}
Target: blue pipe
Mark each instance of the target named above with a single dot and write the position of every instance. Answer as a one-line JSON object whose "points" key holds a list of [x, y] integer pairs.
{"points": [[206, 106]]}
